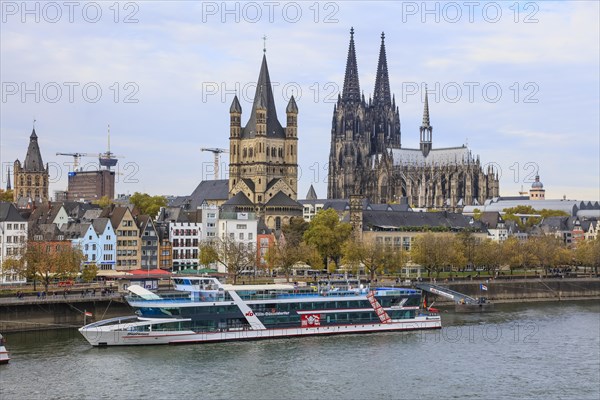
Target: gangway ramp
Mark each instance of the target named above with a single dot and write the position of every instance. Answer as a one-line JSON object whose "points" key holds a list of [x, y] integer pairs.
{"points": [[447, 293]]}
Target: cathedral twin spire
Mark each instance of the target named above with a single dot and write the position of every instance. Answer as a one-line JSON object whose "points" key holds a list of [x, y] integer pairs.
{"points": [[381, 96], [351, 91]]}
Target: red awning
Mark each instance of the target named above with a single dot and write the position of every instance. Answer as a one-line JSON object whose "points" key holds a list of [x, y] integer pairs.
{"points": [[150, 272]]}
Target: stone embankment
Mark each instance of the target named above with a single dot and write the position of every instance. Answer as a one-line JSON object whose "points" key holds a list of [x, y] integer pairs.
{"points": [[522, 290]]}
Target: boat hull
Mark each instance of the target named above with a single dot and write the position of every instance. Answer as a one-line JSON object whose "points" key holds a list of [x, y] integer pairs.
{"points": [[4, 357], [97, 336]]}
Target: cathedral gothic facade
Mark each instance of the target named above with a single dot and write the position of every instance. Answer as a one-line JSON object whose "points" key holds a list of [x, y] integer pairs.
{"points": [[367, 158], [31, 177]]}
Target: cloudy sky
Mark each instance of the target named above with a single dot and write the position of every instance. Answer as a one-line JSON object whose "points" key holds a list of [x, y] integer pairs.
{"points": [[517, 81]]}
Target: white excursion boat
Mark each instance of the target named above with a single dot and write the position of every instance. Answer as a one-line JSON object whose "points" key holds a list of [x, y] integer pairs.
{"points": [[4, 356], [208, 311]]}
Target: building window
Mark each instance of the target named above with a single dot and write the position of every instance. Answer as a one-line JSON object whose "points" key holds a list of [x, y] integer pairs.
{"points": [[250, 236], [241, 235], [278, 223]]}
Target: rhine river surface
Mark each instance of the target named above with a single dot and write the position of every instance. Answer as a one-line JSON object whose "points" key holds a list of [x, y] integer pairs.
{"points": [[525, 351]]}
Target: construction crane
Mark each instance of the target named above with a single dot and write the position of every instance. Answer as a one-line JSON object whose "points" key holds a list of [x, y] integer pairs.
{"points": [[76, 157], [216, 152]]}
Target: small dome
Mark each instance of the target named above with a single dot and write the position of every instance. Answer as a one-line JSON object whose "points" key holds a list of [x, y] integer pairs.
{"points": [[537, 184]]}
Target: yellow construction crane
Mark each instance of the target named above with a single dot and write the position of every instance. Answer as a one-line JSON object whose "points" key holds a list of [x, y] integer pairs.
{"points": [[76, 157], [216, 152]]}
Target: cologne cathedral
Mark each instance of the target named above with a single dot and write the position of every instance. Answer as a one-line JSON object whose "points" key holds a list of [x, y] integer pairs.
{"points": [[367, 157]]}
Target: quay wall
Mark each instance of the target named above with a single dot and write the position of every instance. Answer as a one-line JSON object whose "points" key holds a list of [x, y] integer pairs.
{"points": [[27, 316], [506, 290]]}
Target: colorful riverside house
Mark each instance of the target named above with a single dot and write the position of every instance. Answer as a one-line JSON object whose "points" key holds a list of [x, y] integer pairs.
{"points": [[148, 242], [13, 236], [97, 240], [128, 242]]}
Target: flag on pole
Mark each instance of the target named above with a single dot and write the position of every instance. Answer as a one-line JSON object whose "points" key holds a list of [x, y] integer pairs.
{"points": [[483, 287], [88, 314]]}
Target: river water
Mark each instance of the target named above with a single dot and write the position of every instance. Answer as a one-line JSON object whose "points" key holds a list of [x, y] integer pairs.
{"points": [[526, 351]]}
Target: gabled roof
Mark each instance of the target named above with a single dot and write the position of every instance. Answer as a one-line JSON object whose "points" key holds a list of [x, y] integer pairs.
{"points": [[115, 214], [491, 219], [172, 214], [76, 230], [45, 213], [239, 199], [99, 225], [91, 215], [143, 221], [249, 183], [9, 213], [215, 190], [47, 231], [282, 200]]}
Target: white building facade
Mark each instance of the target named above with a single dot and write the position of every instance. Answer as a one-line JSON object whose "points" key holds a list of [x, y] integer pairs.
{"points": [[13, 239], [185, 238]]}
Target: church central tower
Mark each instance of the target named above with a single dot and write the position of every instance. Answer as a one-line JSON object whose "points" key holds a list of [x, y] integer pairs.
{"points": [[263, 156]]}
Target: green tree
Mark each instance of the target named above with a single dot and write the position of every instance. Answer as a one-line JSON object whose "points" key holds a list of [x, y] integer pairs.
{"points": [[283, 255], [437, 251], [146, 204], [488, 254], [547, 252], [514, 253], [235, 257], [587, 254], [327, 234], [104, 201], [294, 231], [6, 195], [374, 256], [467, 243], [89, 272]]}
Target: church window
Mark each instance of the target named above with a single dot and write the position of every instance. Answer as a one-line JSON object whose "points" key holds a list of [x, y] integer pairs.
{"points": [[250, 152], [37, 181], [278, 223], [245, 152], [292, 149], [28, 180], [272, 151]]}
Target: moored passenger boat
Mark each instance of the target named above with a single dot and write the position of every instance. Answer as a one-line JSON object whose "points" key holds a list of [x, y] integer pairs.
{"points": [[4, 356], [208, 311]]}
